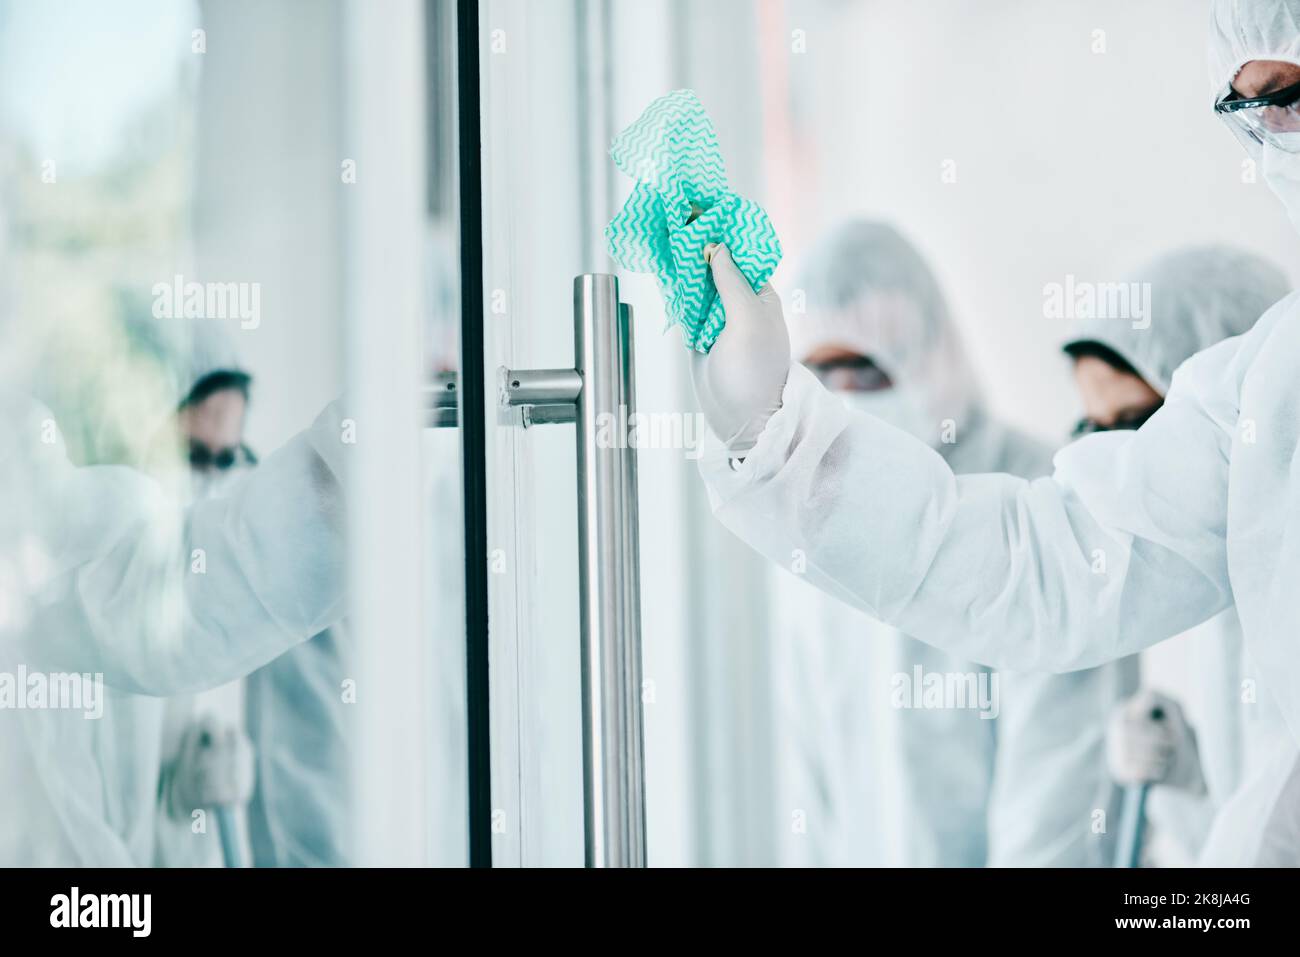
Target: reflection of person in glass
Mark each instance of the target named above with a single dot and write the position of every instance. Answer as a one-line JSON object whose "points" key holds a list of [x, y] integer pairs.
{"points": [[293, 775], [111, 575]]}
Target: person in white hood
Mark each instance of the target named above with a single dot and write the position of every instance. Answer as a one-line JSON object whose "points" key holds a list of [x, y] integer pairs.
{"points": [[294, 773], [1197, 752], [1014, 772], [1136, 537]]}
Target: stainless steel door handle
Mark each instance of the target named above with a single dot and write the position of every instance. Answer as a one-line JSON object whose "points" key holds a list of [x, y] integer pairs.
{"points": [[598, 394]]}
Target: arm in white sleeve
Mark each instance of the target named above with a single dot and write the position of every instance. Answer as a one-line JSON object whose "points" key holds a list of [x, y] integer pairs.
{"points": [[1123, 546], [162, 600]]}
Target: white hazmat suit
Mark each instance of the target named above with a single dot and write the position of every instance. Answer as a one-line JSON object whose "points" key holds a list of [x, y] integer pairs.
{"points": [[1010, 777], [1200, 296]]}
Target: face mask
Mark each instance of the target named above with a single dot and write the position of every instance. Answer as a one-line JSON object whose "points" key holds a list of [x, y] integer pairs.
{"points": [[899, 406], [1282, 173], [211, 483]]}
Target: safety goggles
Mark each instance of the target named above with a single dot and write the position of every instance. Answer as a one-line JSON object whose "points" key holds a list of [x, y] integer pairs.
{"points": [[1130, 422], [203, 458], [851, 374], [1273, 118]]}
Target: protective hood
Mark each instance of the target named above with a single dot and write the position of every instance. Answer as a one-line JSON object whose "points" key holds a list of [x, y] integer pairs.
{"points": [[1245, 30], [114, 384], [1199, 296], [868, 289], [185, 350]]}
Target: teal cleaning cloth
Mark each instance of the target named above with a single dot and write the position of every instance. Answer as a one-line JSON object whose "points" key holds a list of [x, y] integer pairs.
{"points": [[680, 204]]}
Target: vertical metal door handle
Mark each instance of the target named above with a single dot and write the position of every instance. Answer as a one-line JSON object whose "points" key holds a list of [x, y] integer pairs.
{"points": [[598, 394]]}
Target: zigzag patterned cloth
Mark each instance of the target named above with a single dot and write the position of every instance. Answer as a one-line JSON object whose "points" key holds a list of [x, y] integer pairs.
{"points": [[681, 203]]}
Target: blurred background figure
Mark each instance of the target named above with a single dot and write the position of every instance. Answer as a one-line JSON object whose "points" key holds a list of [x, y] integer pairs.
{"points": [[872, 770], [124, 789], [206, 758], [1194, 750], [277, 741], [297, 709], [292, 708]]}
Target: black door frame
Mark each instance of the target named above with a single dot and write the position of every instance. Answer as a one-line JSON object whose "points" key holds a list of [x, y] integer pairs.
{"points": [[473, 431]]}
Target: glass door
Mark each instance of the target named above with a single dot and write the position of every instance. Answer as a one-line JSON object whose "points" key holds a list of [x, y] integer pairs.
{"points": [[217, 220], [558, 80], [770, 730]]}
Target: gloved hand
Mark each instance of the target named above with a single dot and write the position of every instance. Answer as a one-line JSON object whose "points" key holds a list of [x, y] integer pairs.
{"points": [[739, 382], [214, 768], [1148, 741]]}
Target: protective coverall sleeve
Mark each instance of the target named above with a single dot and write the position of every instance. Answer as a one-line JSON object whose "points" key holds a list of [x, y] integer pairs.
{"points": [[163, 600], [1123, 546]]}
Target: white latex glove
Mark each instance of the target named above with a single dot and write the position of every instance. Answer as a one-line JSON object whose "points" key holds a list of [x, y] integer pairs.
{"points": [[739, 382], [1148, 741], [214, 769]]}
